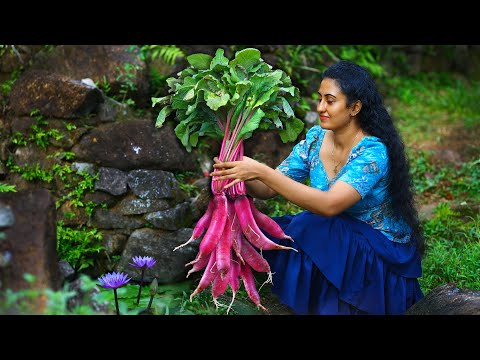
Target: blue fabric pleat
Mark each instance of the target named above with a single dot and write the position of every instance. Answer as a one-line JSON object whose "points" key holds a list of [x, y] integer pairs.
{"points": [[343, 266]]}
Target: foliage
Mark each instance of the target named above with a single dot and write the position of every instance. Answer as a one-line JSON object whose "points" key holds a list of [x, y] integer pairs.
{"points": [[126, 78], [367, 56], [77, 245], [39, 134], [434, 180], [306, 63], [213, 89], [453, 250], [56, 302], [7, 188], [184, 178], [279, 206], [171, 299], [168, 53], [6, 86], [427, 103]]}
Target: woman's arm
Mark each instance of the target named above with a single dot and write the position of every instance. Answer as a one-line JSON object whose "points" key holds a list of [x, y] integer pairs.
{"points": [[338, 198], [257, 189]]}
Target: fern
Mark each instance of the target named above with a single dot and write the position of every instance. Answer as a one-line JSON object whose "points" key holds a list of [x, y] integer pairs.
{"points": [[167, 53], [7, 188]]}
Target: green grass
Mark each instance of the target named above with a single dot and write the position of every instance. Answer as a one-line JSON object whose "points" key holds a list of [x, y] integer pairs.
{"points": [[424, 105], [453, 250]]}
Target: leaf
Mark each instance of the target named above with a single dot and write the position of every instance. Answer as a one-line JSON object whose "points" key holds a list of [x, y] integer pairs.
{"points": [[161, 100], [246, 57], [189, 95], [194, 139], [264, 82], [252, 124], [200, 61], [215, 102], [287, 108], [162, 115], [172, 82], [278, 123], [290, 90], [293, 127], [265, 97], [219, 62]]}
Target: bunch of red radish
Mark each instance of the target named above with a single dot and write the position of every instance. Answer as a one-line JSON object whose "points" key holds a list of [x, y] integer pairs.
{"points": [[233, 242]]}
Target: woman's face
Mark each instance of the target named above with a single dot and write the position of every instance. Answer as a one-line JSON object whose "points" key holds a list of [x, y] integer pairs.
{"points": [[332, 106]]}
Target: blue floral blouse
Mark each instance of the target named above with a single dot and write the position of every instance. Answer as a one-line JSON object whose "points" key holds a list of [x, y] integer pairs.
{"points": [[366, 170]]}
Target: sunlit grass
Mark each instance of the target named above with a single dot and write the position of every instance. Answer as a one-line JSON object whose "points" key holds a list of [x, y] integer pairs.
{"points": [[428, 107]]}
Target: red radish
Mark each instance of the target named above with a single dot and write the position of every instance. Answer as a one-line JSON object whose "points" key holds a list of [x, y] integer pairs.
{"points": [[253, 258], [237, 238], [266, 223], [207, 277], [249, 283], [234, 275], [201, 225], [215, 229], [256, 261], [250, 228], [224, 245], [197, 265], [218, 287]]}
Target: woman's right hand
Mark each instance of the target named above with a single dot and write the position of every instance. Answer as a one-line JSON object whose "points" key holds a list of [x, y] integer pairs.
{"points": [[241, 170]]}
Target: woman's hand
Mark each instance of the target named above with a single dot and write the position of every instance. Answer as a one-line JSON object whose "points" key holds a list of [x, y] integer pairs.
{"points": [[242, 170]]}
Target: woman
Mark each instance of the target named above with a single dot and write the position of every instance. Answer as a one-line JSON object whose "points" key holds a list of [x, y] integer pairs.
{"points": [[359, 241]]}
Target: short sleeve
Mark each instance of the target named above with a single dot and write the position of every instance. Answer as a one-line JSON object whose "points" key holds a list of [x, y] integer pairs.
{"points": [[297, 164], [367, 166]]}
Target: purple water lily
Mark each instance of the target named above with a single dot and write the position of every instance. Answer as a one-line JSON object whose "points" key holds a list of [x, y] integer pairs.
{"points": [[142, 262], [114, 281]]}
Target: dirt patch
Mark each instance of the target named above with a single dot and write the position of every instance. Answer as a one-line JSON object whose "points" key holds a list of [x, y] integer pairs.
{"points": [[457, 143]]}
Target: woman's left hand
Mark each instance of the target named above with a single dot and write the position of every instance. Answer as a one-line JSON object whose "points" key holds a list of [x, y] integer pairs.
{"points": [[241, 170]]}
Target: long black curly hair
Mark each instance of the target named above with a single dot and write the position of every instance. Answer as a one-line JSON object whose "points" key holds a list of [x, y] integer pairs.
{"points": [[357, 84]]}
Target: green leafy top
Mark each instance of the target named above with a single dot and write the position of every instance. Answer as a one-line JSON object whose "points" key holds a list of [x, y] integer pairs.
{"points": [[245, 88]]}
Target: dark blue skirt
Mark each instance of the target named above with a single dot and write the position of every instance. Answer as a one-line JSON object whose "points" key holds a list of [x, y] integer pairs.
{"points": [[343, 266]]}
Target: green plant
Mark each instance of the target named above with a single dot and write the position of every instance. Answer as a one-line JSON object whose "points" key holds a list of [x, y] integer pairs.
{"points": [[104, 85], [127, 79], [56, 302], [6, 86], [453, 250], [279, 206], [7, 188], [367, 56], [77, 245], [168, 53], [183, 178], [70, 126]]}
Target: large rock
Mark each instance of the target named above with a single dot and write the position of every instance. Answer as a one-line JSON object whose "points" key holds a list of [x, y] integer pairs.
{"points": [[117, 66], [135, 144], [448, 300], [170, 266], [53, 96], [31, 241]]}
